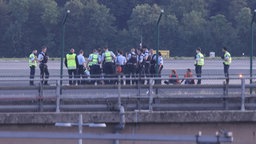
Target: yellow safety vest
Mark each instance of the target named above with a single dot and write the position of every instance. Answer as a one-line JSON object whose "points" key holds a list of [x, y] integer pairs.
{"points": [[228, 62], [200, 62], [108, 57], [32, 60], [71, 61], [95, 58]]}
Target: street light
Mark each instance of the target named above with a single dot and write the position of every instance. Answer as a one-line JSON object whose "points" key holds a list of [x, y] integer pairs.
{"points": [[157, 45], [63, 44], [251, 47], [80, 125]]}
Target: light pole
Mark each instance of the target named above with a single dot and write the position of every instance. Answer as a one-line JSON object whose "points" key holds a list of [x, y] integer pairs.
{"points": [[63, 44], [80, 125], [251, 48], [158, 37]]}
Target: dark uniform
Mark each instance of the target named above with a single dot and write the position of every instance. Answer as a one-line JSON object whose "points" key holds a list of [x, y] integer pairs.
{"points": [[43, 59], [132, 63]]}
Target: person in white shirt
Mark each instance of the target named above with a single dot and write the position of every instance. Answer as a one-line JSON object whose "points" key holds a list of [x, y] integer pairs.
{"points": [[81, 67]]}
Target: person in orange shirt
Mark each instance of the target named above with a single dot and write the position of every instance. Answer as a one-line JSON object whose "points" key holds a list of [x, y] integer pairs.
{"points": [[188, 77], [174, 78]]}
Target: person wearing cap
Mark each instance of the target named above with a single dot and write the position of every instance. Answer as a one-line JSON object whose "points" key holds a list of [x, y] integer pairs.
{"points": [[199, 62], [226, 62]]}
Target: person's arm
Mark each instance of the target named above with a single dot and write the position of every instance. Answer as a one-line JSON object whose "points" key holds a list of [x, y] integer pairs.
{"points": [[113, 55], [77, 61], [65, 62]]}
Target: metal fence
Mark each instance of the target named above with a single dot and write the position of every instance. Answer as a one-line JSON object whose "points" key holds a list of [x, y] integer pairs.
{"points": [[153, 95]]}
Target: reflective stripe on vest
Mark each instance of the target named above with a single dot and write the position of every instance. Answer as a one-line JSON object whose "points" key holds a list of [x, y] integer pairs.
{"points": [[32, 60], [227, 55], [95, 58], [201, 59], [108, 57], [71, 61]]}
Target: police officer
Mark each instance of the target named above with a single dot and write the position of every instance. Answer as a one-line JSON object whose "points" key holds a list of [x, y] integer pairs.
{"points": [[43, 59], [32, 65], [199, 62], [152, 62], [141, 62], [71, 63], [94, 62], [132, 63], [147, 58], [108, 58], [160, 65], [81, 67], [226, 62]]}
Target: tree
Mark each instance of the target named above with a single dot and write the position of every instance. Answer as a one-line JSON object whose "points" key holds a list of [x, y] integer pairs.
{"points": [[222, 34], [89, 25], [143, 24]]}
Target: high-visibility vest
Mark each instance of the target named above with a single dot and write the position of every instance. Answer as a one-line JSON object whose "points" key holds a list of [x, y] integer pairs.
{"points": [[227, 55], [200, 62], [71, 61], [95, 59], [108, 57], [32, 60]]}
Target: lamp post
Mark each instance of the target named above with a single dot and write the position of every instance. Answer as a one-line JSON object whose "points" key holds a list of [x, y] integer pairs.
{"points": [[158, 37], [251, 48], [80, 125], [63, 44]]}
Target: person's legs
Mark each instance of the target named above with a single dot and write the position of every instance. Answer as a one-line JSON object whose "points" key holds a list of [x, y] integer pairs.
{"points": [[70, 77], [198, 73], [32, 75], [226, 73]]}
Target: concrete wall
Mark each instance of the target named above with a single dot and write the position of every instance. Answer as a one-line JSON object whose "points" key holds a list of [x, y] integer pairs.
{"points": [[242, 124]]}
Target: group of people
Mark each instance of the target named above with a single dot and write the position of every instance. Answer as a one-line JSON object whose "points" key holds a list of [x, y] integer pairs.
{"points": [[42, 59], [199, 63], [137, 63]]}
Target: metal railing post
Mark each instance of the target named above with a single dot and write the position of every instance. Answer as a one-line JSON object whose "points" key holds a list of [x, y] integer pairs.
{"points": [[58, 85], [40, 98], [242, 94], [119, 91], [150, 94], [225, 89], [80, 128]]}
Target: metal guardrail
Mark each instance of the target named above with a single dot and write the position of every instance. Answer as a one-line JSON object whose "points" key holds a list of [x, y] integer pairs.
{"points": [[152, 96]]}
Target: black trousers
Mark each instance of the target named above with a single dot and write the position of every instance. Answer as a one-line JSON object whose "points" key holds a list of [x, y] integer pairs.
{"points": [[108, 69], [80, 74], [72, 73], [226, 72], [130, 71], [95, 72], [198, 70], [44, 73], [32, 74]]}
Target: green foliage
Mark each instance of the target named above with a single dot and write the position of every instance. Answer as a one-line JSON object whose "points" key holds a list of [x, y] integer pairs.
{"points": [[122, 24]]}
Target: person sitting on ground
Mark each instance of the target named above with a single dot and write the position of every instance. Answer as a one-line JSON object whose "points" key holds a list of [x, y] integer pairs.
{"points": [[174, 79], [188, 77]]}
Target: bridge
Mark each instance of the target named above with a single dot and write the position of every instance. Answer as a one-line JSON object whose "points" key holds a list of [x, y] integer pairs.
{"points": [[139, 113]]}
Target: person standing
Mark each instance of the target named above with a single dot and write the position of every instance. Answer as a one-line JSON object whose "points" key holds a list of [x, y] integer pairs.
{"points": [[71, 63], [81, 67], [94, 61], [108, 58], [43, 59], [160, 65], [32, 65], [199, 62], [132, 62], [226, 62]]}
